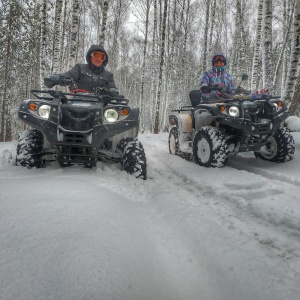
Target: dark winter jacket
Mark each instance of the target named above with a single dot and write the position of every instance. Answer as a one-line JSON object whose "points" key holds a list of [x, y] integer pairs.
{"points": [[88, 76]]}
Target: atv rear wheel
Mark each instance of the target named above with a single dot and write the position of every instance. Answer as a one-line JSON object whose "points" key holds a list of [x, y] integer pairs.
{"points": [[280, 148], [134, 159], [210, 147], [29, 149], [174, 144]]}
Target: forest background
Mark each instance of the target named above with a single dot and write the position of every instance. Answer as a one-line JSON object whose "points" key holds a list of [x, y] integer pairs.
{"points": [[157, 50]]}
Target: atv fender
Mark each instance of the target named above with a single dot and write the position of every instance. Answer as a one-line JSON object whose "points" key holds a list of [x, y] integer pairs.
{"points": [[183, 122], [203, 118]]}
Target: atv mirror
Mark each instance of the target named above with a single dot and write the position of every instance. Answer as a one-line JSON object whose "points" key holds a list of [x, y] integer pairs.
{"points": [[245, 77]]}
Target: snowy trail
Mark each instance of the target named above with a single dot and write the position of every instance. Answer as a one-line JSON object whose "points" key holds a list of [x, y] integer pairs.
{"points": [[237, 187], [185, 233]]}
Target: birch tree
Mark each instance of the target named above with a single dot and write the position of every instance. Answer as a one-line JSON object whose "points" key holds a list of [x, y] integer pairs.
{"points": [[161, 64], [43, 41], [256, 58], [267, 62], [74, 34], [142, 100], [57, 36], [5, 97], [295, 57], [105, 5], [205, 33]]}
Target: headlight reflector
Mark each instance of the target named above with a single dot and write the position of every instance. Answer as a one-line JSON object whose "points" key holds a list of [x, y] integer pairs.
{"points": [[44, 111], [111, 115], [234, 111]]}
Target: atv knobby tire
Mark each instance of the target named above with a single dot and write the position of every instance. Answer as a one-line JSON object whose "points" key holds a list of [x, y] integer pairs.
{"points": [[134, 159], [280, 148], [174, 144], [29, 149], [210, 147]]}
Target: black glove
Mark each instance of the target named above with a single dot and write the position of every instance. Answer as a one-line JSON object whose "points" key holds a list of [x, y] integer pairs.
{"points": [[106, 91], [51, 81], [207, 89], [114, 91], [56, 79], [241, 90]]}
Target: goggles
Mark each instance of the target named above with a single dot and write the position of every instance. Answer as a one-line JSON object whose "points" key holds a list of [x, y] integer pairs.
{"points": [[98, 55], [219, 58]]}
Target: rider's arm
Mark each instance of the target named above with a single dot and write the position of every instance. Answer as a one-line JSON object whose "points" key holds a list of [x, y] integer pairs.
{"points": [[230, 88], [74, 73], [111, 82], [204, 80]]}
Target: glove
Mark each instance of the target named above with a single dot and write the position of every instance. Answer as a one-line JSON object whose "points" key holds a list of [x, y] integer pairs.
{"points": [[54, 78], [207, 89], [106, 91], [241, 90], [51, 81], [114, 91], [238, 90]]}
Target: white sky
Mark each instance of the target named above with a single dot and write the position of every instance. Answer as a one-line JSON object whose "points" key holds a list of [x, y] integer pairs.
{"points": [[186, 233]]}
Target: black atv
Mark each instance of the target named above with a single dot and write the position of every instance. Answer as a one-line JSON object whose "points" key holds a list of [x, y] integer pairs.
{"points": [[210, 131], [80, 128]]}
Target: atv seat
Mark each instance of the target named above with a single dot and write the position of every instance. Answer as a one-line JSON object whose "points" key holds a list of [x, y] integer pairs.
{"points": [[195, 97]]}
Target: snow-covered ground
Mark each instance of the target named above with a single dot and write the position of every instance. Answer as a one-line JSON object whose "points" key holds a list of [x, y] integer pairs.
{"points": [[186, 233]]}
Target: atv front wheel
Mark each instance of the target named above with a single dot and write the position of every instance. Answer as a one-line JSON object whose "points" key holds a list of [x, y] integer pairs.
{"points": [[29, 149], [280, 148], [210, 147], [134, 159], [174, 145]]}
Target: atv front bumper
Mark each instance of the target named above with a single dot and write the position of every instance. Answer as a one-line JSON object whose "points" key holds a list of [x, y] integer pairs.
{"points": [[263, 126], [78, 140]]}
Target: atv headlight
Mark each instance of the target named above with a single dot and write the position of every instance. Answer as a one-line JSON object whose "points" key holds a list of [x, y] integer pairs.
{"points": [[44, 111], [234, 111], [111, 115], [278, 105]]}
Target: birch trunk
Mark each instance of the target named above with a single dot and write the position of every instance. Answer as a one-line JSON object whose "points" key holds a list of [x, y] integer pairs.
{"points": [[280, 59], [267, 46], [153, 61], [4, 125], [212, 25], [236, 40], [256, 58], [104, 22], [57, 36], [161, 64], [74, 34], [141, 101], [43, 43], [295, 57], [205, 50]]}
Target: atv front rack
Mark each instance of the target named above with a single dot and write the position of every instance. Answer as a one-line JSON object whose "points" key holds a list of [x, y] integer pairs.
{"points": [[266, 98], [106, 99]]}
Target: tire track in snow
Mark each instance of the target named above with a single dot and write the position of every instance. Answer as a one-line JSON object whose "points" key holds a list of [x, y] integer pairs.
{"points": [[242, 163], [237, 211]]}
